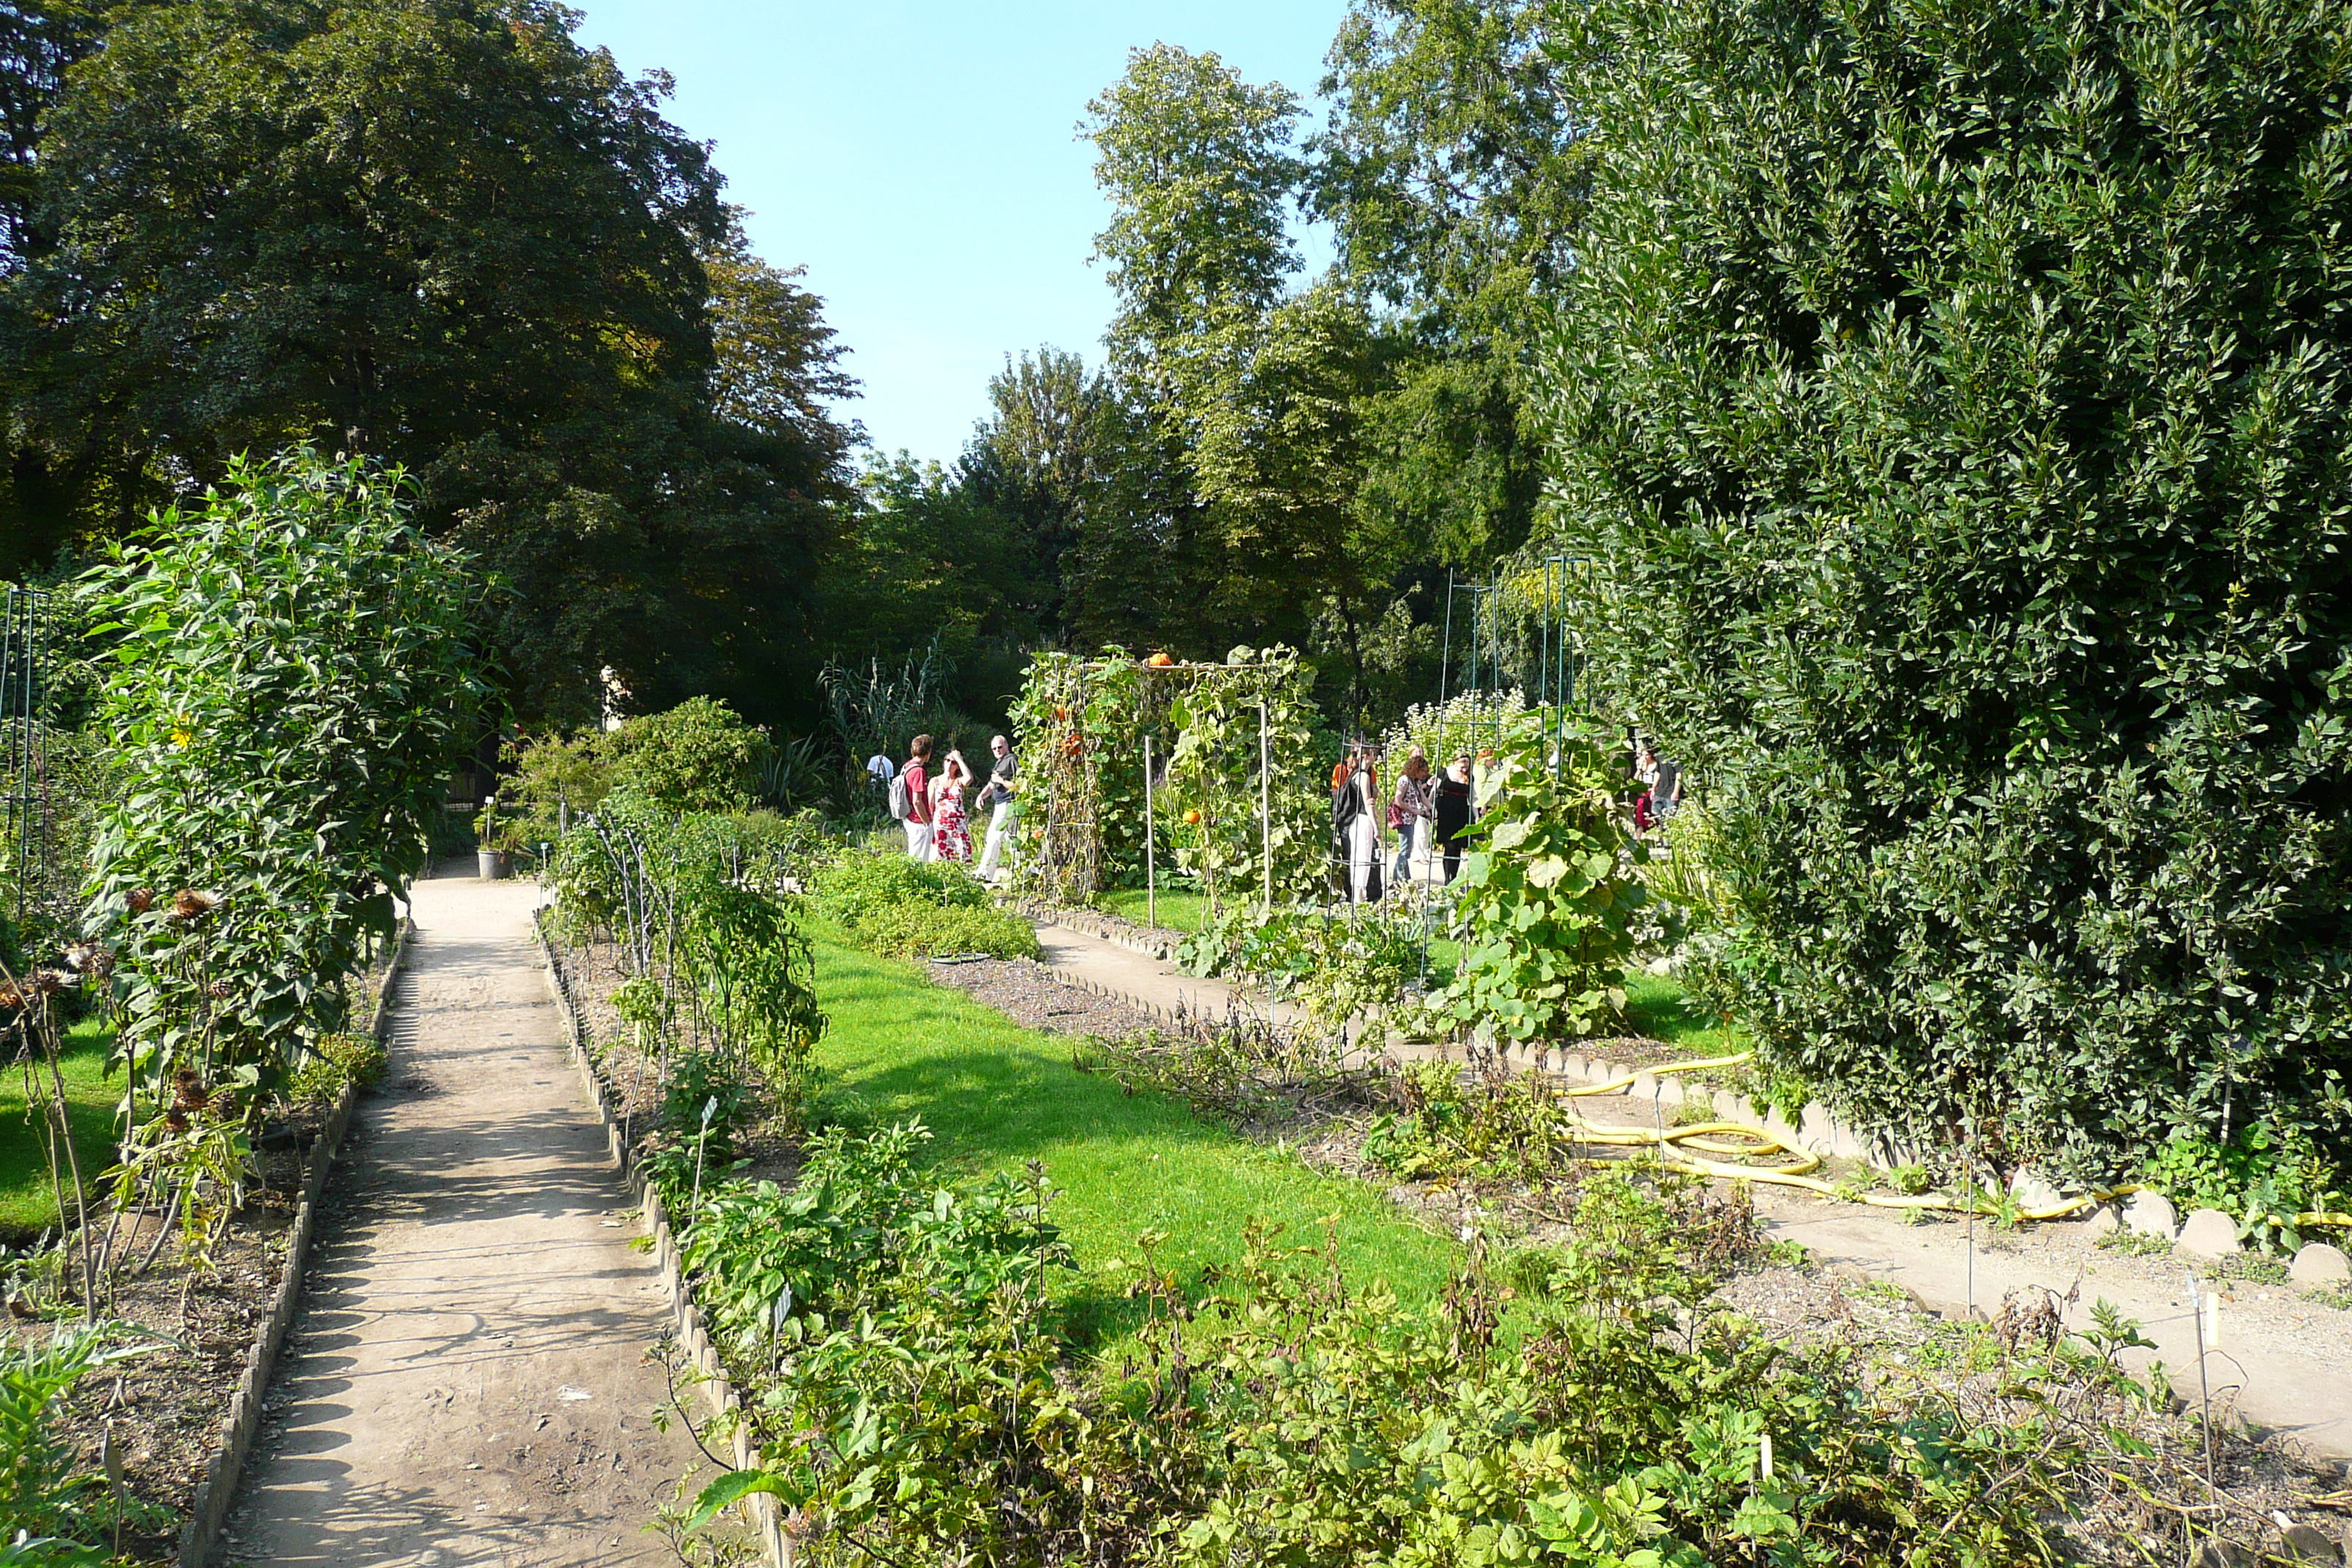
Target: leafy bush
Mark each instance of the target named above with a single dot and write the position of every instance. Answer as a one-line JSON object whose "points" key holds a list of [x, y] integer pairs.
{"points": [[911, 1405], [1333, 966], [2266, 1178], [697, 757], [903, 909], [288, 680], [1548, 899], [43, 1490], [332, 1062], [1953, 399]]}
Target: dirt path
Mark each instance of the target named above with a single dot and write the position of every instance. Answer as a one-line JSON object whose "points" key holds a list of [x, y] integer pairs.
{"points": [[2285, 1362], [467, 1384]]}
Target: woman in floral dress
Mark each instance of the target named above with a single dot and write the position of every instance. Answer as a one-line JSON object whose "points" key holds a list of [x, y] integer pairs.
{"points": [[951, 829]]}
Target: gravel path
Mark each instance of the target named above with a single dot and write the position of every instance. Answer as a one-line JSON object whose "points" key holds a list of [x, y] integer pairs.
{"points": [[468, 1381]]}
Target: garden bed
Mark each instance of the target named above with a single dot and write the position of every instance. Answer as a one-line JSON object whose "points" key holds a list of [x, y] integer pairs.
{"points": [[1906, 1352], [183, 1413]]}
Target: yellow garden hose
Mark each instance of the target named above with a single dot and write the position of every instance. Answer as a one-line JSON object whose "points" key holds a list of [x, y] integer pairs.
{"points": [[1679, 1146]]}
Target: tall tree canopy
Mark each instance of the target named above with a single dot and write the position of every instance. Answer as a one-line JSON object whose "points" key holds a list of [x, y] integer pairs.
{"points": [[1323, 450], [1956, 395], [1453, 173], [439, 232]]}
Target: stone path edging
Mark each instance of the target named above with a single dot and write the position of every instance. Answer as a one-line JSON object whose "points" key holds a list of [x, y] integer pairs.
{"points": [[717, 1390], [243, 1423]]}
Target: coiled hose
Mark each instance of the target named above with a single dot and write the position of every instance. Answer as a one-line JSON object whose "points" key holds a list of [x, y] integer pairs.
{"points": [[1680, 1148]]}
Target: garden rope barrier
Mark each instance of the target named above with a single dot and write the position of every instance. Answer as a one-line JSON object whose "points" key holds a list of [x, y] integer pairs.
{"points": [[1739, 1141]]}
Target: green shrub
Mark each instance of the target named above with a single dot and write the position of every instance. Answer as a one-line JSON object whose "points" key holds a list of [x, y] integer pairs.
{"points": [[1548, 898], [697, 756], [933, 931], [1331, 965], [1953, 398], [290, 676], [903, 909], [2264, 1178], [913, 1400], [334, 1061]]}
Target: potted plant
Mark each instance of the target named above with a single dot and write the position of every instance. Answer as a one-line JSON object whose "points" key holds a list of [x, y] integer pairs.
{"points": [[491, 855]]}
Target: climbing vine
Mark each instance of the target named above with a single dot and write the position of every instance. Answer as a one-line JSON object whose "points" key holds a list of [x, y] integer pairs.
{"points": [[1079, 726]]}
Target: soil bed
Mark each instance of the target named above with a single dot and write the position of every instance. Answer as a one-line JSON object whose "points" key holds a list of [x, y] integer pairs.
{"points": [[167, 1406], [1027, 992], [593, 970]]}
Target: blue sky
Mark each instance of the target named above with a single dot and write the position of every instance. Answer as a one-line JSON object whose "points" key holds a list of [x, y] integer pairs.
{"points": [[919, 159]]}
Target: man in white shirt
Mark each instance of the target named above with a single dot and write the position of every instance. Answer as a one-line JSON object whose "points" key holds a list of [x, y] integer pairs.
{"points": [[998, 796]]}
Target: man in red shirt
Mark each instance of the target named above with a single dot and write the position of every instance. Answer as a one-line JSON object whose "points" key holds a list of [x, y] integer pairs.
{"points": [[918, 822]]}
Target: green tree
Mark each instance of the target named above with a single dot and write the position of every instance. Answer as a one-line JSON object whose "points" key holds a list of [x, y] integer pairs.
{"points": [[441, 232], [1258, 389], [1954, 394], [1452, 170]]}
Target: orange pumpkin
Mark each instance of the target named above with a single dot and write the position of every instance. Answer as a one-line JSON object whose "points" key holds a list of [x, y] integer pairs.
{"points": [[1159, 661], [1192, 816]]}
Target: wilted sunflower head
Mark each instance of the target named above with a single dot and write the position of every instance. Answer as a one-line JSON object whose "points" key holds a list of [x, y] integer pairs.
{"points": [[139, 900], [49, 982], [188, 904]]}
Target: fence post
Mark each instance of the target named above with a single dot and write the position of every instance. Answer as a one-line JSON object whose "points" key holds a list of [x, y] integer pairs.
{"points": [[1265, 803], [1150, 870]]}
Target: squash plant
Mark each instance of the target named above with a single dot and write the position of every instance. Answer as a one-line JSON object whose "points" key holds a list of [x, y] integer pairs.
{"points": [[288, 676], [1549, 897], [1213, 781]]}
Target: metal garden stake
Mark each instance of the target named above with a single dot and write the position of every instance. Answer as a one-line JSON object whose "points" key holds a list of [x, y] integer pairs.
{"points": [[1150, 870], [1265, 803], [701, 1143]]}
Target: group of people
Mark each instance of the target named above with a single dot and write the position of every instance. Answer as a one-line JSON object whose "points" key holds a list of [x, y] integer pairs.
{"points": [[931, 809], [1427, 815]]}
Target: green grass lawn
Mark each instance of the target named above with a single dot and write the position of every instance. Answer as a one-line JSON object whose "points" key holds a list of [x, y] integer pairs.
{"points": [[1658, 1006], [994, 1095], [28, 1203], [1178, 910]]}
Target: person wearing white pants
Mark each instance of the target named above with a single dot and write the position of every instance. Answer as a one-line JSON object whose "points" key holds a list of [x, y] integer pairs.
{"points": [[918, 820], [999, 797]]}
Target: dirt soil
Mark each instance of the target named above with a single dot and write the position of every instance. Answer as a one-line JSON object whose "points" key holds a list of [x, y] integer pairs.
{"points": [[470, 1379], [1028, 993], [167, 1406]]}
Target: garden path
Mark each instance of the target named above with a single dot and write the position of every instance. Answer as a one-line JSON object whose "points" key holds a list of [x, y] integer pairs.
{"points": [[2285, 1362], [466, 1383]]}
